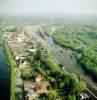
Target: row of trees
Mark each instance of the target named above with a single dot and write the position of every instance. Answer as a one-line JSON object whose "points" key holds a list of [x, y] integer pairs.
{"points": [[88, 60], [66, 41]]}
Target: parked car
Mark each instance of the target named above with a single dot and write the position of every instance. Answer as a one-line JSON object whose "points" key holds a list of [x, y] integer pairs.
{"points": [[84, 96]]}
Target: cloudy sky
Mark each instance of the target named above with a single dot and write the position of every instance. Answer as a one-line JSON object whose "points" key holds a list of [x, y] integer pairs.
{"points": [[30, 7]]}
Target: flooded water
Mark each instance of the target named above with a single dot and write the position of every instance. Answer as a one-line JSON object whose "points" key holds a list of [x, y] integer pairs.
{"points": [[65, 57], [4, 78]]}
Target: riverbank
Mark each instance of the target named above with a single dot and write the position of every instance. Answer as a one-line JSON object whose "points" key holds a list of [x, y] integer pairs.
{"points": [[4, 77], [12, 64], [4, 73]]}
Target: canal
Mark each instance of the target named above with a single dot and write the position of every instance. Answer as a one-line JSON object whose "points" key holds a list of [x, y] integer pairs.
{"points": [[4, 77]]}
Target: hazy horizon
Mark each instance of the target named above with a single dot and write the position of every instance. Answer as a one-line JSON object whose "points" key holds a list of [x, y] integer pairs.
{"points": [[43, 7]]}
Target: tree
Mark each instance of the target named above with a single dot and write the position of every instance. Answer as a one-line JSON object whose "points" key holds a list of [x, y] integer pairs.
{"points": [[77, 84], [61, 85], [37, 55], [52, 95], [71, 97]]}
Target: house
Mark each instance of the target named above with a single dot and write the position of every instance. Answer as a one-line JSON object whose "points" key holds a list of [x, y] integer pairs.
{"points": [[38, 78], [13, 49], [17, 58], [33, 89], [20, 40], [24, 64], [33, 96], [30, 91], [32, 50], [42, 87], [84, 96]]}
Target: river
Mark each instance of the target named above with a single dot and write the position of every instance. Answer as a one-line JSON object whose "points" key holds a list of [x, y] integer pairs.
{"points": [[66, 58], [4, 77]]}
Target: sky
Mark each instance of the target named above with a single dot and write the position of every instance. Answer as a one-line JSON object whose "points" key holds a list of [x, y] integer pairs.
{"points": [[31, 7]]}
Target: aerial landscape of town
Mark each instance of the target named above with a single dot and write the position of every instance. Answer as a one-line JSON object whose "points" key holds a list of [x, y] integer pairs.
{"points": [[48, 57]]}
